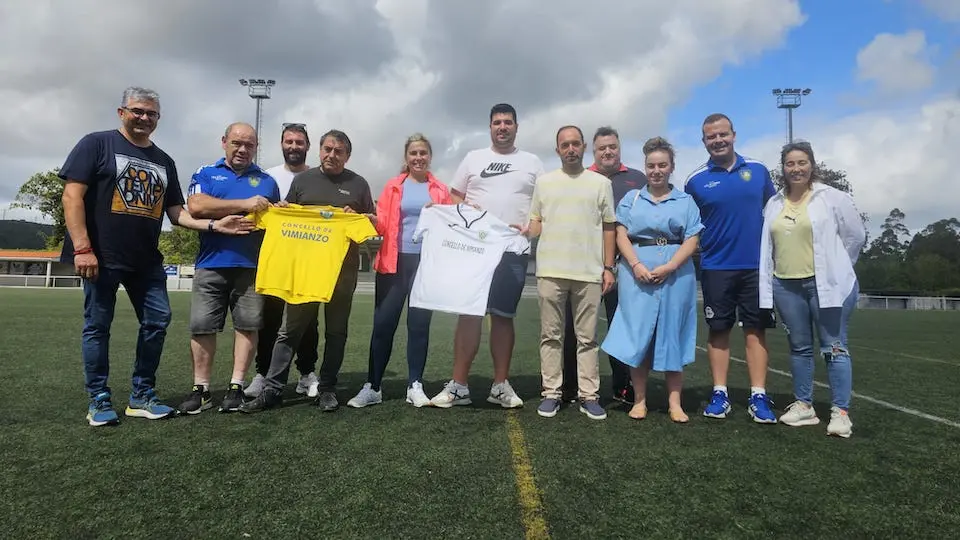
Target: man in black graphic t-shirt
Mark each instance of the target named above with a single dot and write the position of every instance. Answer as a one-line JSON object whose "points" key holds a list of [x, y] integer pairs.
{"points": [[330, 184], [118, 187]]}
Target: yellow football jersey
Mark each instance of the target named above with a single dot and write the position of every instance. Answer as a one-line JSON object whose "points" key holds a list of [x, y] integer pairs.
{"points": [[303, 250]]}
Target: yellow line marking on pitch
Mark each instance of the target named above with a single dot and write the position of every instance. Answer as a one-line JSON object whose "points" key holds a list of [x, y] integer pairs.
{"points": [[531, 502]]}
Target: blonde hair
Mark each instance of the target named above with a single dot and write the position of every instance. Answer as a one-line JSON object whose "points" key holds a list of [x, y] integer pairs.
{"points": [[416, 137], [659, 144]]}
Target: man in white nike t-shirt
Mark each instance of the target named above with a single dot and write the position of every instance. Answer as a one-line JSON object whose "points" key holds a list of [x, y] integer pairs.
{"points": [[294, 143], [499, 180]]}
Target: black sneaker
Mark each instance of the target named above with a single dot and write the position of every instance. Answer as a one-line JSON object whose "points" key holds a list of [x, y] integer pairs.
{"points": [[198, 401], [624, 395], [327, 402], [267, 399], [233, 399]]}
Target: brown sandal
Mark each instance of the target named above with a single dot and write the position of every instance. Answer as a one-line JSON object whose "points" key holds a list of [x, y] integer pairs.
{"points": [[639, 411]]}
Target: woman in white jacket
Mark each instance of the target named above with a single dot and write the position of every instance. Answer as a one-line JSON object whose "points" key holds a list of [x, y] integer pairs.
{"points": [[812, 236]]}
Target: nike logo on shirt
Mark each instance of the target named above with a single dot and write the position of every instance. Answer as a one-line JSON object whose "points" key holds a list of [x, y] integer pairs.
{"points": [[495, 169]]}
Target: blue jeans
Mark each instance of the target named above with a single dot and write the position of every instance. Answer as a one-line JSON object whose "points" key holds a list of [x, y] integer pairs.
{"points": [[392, 294], [147, 290], [799, 307]]}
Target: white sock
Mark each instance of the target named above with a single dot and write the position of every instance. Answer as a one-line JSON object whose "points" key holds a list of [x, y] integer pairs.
{"points": [[720, 388], [236, 381], [754, 390], [204, 384]]}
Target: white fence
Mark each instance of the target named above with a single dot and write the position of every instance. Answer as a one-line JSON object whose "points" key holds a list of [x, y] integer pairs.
{"points": [[912, 303], [365, 286]]}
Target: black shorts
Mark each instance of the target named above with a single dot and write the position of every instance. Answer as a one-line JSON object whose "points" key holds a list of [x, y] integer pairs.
{"points": [[732, 295], [507, 285]]}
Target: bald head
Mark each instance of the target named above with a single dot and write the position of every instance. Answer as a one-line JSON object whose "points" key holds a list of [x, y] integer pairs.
{"points": [[241, 127], [239, 145]]}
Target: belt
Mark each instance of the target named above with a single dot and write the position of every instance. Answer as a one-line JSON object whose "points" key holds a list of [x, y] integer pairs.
{"points": [[658, 241]]}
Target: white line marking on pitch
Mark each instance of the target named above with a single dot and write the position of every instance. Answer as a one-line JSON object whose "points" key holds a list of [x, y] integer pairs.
{"points": [[905, 355], [875, 401]]}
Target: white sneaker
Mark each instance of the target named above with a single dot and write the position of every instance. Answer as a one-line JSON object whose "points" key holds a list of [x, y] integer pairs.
{"points": [[256, 386], [800, 414], [415, 395], [366, 396], [502, 394], [453, 393], [308, 385], [840, 423]]}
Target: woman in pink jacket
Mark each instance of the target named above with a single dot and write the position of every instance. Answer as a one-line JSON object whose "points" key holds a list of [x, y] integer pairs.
{"points": [[398, 210]]}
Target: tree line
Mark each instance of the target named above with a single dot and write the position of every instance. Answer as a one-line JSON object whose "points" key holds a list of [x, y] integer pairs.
{"points": [[896, 262]]}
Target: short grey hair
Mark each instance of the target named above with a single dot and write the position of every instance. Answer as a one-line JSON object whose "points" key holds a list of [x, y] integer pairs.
{"points": [[137, 93]]}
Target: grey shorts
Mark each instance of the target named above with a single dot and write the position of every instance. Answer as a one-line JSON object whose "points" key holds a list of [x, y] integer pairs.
{"points": [[215, 290]]}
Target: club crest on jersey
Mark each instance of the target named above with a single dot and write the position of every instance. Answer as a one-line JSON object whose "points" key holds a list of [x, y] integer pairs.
{"points": [[326, 214], [254, 181], [483, 235], [745, 175], [495, 168]]}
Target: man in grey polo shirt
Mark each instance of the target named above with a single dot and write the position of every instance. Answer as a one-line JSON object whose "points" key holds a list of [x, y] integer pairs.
{"points": [[330, 184], [294, 144]]}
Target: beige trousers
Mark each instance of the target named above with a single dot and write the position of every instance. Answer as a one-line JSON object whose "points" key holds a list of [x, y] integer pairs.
{"points": [[585, 300]]}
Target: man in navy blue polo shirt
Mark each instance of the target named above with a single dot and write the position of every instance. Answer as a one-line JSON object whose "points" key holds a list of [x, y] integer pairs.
{"points": [[226, 267], [606, 161], [731, 191]]}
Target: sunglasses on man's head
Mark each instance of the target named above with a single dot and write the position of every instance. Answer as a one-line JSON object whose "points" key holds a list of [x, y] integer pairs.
{"points": [[294, 125]]}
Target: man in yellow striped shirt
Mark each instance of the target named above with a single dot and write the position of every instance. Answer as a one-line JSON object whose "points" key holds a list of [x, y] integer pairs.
{"points": [[572, 212]]}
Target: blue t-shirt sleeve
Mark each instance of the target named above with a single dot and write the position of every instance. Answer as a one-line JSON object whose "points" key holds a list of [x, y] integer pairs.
{"points": [[83, 162], [693, 225], [199, 183], [275, 192], [626, 204], [769, 190]]}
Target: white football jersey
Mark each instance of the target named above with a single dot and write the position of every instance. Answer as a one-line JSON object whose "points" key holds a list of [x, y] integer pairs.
{"points": [[461, 248]]}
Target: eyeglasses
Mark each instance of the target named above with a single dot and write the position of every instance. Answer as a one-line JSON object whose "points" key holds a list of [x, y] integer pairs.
{"points": [[294, 125], [152, 115]]}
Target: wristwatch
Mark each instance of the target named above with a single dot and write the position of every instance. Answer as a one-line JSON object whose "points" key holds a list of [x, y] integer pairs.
{"points": [[210, 225], [612, 269]]}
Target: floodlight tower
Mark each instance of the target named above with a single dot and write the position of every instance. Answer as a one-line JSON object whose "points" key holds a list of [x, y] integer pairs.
{"points": [[259, 90], [790, 99]]}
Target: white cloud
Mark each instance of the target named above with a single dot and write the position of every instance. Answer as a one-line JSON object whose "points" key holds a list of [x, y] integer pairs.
{"points": [[948, 10], [897, 64], [377, 69], [903, 158]]}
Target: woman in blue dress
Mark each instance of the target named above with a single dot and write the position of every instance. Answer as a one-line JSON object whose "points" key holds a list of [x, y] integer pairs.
{"points": [[655, 326]]}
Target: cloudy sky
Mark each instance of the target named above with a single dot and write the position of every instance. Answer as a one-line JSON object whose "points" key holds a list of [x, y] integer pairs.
{"points": [[885, 76]]}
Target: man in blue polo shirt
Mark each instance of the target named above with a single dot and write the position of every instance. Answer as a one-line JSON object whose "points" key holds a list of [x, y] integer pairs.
{"points": [[731, 191], [226, 267], [606, 161]]}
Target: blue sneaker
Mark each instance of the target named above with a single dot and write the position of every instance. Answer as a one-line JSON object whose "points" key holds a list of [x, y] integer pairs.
{"points": [[719, 405], [148, 406], [760, 409], [593, 410], [100, 412], [548, 407]]}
